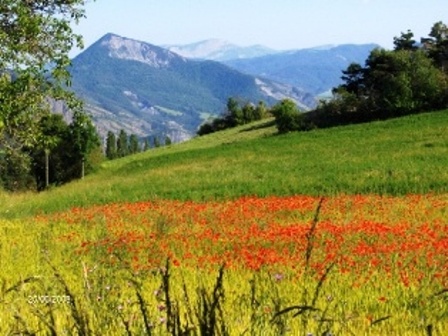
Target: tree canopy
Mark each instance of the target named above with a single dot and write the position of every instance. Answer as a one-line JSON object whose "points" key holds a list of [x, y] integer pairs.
{"points": [[411, 78], [237, 113], [35, 40]]}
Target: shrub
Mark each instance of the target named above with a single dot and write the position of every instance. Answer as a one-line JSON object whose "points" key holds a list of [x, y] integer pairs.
{"points": [[288, 117], [15, 171]]}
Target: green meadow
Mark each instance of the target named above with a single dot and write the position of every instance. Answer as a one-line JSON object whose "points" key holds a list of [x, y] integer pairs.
{"points": [[338, 231], [396, 157]]}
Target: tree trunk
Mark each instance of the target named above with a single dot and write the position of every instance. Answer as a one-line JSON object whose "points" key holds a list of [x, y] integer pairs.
{"points": [[47, 168], [82, 168]]}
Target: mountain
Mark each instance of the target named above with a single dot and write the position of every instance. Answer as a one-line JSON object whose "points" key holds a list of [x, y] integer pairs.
{"points": [[149, 90], [219, 50], [316, 70]]}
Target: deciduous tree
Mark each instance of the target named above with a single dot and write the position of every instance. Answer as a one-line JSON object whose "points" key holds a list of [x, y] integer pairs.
{"points": [[84, 137], [287, 116], [35, 40]]}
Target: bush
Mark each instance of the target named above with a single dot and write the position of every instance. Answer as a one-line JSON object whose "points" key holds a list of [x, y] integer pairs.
{"points": [[288, 117], [206, 128], [15, 168]]}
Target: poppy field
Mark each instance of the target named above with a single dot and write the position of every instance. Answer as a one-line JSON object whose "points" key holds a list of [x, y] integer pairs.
{"points": [[339, 265]]}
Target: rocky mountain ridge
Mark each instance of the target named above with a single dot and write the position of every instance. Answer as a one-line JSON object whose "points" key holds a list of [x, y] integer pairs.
{"points": [[151, 91], [129, 49]]}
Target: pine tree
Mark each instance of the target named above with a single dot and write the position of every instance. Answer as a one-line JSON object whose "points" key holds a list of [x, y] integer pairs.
{"points": [[156, 142], [168, 141], [133, 144], [146, 145], [122, 144], [111, 146]]}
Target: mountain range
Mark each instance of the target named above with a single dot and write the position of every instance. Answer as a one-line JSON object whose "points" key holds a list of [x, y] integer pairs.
{"points": [[219, 50], [315, 70], [150, 90]]}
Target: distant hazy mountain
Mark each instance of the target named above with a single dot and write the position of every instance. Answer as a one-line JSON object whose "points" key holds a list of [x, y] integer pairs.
{"points": [[219, 50], [315, 70], [149, 90]]}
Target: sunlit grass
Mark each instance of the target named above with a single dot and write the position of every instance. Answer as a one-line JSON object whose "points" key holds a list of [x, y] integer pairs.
{"points": [[407, 155]]}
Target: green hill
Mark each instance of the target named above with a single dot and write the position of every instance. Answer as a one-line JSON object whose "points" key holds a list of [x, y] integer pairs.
{"points": [[399, 156]]}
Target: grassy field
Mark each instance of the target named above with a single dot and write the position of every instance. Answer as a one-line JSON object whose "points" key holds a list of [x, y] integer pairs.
{"points": [[396, 157], [341, 231]]}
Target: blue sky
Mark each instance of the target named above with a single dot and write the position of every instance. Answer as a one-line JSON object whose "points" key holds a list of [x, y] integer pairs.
{"points": [[279, 24]]}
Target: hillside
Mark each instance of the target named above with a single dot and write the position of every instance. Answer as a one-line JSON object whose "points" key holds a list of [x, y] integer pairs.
{"points": [[399, 156], [151, 91]]}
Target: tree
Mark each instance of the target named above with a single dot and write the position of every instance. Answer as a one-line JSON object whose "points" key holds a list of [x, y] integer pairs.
{"points": [[405, 42], [206, 128], [237, 114], [146, 145], [35, 40], [84, 136], [248, 112], [111, 146], [156, 142], [234, 113], [133, 144], [260, 111], [53, 130], [353, 77], [168, 141], [408, 79], [437, 45], [392, 83], [61, 163], [402, 82], [122, 144], [15, 167], [34, 35], [287, 116]]}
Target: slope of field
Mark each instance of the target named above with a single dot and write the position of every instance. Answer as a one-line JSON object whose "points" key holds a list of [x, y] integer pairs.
{"points": [[396, 157]]}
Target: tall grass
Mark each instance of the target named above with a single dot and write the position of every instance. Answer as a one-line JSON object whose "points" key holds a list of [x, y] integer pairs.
{"points": [[51, 285]]}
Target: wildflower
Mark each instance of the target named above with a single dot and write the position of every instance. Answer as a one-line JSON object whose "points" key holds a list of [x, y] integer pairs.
{"points": [[278, 277]]}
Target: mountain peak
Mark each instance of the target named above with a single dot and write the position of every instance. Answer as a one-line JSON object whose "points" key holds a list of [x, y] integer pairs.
{"points": [[219, 50], [129, 49]]}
